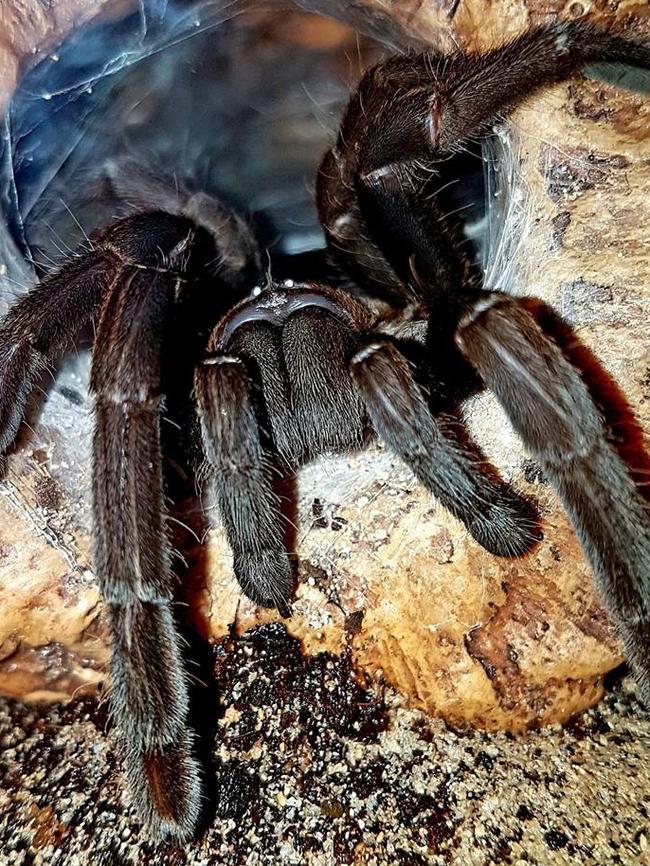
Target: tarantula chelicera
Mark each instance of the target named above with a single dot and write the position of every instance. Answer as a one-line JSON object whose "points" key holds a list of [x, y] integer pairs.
{"points": [[284, 374]]}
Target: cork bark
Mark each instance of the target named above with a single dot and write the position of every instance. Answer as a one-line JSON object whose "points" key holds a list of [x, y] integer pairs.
{"points": [[384, 572]]}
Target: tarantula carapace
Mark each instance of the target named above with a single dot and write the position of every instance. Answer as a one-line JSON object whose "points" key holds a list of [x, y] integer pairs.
{"points": [[282, 374]]}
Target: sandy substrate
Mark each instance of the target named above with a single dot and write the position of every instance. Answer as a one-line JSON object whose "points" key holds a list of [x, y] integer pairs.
{"points": [[311, 767]]}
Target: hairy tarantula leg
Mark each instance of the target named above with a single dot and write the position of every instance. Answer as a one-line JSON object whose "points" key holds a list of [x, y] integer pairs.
{"points": [[497, 518], [149, 698], [40, 327], [249, 506], [558, 422], [469, 91], [474, 89], [415, 110], [453, 98]]}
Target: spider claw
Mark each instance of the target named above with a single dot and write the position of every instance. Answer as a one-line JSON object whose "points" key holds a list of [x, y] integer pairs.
{"points": [[285, 610]]}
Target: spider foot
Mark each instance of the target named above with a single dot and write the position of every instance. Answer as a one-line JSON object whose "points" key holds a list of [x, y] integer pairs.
{"points": [[166, 789], [267, 578], [508, 528]]}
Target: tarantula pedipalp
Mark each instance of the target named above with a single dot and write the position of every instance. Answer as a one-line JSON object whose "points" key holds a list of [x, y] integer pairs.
{"points": [[381, 200], [284, 375]]}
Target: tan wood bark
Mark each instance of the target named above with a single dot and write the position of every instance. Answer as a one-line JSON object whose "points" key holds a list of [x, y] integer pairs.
{"points": [[384, 571]]}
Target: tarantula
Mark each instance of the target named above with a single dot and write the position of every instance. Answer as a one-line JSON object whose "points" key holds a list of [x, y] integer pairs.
{"points": [[281, 375]]}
